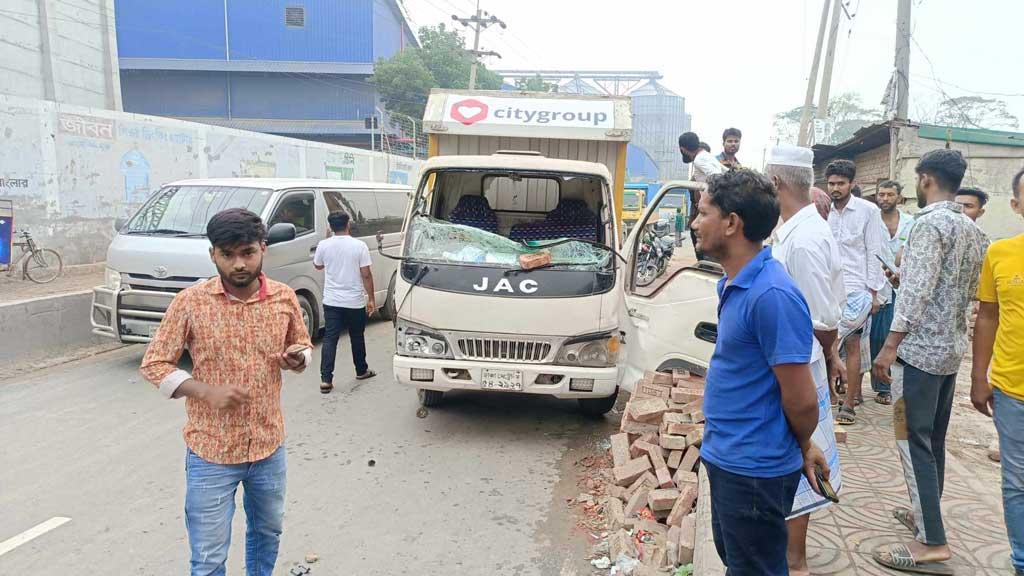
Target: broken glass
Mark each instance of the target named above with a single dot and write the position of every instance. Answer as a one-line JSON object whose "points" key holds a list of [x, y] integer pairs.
{"points": [[440, 241]]}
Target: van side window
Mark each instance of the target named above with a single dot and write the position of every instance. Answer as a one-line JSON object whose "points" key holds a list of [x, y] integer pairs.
{"points": [[361, 207], [392, 206], [297, 209]]}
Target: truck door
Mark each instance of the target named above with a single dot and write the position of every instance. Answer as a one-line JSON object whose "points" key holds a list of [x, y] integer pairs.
{"points": [[670, 314]]}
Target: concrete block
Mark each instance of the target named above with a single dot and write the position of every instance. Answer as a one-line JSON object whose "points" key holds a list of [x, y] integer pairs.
{"points": [[619, 543], [615, 513], [625, 475]]}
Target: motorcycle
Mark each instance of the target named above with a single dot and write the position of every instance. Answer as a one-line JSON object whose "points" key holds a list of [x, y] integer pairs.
{"points": [[656, 251]]}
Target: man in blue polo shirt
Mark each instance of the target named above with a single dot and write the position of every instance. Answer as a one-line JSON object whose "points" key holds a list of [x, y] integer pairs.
{"points": [[760, 402]]}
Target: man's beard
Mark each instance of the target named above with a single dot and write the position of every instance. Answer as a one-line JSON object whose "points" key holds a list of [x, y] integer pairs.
{"points": [[241, 281]]}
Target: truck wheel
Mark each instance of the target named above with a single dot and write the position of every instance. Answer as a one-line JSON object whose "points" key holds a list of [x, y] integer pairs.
{"points": [[598, 407], [387, 311], [429, 398], [308, 315]]}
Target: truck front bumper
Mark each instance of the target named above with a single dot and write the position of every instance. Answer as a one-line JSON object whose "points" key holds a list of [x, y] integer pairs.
{"points": [[548, 379]]}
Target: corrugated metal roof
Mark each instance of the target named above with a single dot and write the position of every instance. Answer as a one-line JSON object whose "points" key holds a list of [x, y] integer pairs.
{"points": [[653, 88], [971, 135]]}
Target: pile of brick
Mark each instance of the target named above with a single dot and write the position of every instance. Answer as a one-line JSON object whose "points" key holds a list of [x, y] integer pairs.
{"points": [[651, 508]]}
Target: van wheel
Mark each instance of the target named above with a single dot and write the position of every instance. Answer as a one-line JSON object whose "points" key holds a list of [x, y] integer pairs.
{"points": [[429, 398], [387, 311], [598, 407], [308, 315]]}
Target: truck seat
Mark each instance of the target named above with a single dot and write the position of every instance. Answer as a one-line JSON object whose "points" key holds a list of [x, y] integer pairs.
{"points": [[474, 211]]}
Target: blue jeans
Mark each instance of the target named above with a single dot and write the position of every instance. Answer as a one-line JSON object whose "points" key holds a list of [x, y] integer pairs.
{"points": [[210, 506], [880, 324], [1009, 417], [748, 521]]}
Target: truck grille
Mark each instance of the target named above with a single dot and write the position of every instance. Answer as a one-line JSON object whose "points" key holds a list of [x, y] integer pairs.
{"points": [[504, 349]]}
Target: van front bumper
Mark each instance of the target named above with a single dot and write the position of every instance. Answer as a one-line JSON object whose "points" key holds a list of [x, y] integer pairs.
{"points": [[557, 380], [128, 314]]}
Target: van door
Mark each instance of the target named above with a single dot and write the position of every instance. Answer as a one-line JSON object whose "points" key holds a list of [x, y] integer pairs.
{"points": [[292, 262], [670, 316]]}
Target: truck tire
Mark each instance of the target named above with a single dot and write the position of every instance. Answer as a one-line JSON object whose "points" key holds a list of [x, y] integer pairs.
{"points": [[387, 311], [308, 315], [429, 398], [598, 407]]}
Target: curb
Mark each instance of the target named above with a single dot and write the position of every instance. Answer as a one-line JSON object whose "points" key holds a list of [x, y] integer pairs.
{"points": [[46, 325]]}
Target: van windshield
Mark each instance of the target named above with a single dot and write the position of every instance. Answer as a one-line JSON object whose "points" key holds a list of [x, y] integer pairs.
{"points": [[185, 210], [439, 241], [631, 200]]}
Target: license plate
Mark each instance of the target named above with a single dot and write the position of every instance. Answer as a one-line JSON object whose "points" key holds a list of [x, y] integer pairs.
{"points": [[507, 380]]}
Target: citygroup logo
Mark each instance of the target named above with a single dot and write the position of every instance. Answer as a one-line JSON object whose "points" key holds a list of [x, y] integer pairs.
{"points": [[469, 111]]}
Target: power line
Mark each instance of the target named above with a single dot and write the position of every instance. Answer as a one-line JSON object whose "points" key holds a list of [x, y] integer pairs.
{"points": [[480, 21]]}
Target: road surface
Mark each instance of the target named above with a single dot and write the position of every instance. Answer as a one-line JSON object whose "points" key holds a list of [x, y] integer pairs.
{"points": [[476, 487]]}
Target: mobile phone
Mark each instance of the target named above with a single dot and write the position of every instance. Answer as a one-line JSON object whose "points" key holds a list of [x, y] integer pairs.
{"points": [[825, 486], [885, 264]]}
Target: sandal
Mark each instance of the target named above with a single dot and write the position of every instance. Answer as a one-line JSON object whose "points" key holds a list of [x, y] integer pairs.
{"points": [[905, 516], [898, 557], [366, 375], [846, 417], [840, 388], [858, 401], [884, 398], [326, 387]]}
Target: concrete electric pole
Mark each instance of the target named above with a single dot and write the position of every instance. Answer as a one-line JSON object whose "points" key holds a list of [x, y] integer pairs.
{"points": [[830, 56], [480, 21], [902, 59], [812, 81]]}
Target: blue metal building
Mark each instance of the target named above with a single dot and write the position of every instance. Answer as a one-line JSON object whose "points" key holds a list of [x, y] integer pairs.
{"points": [[291, 67]]}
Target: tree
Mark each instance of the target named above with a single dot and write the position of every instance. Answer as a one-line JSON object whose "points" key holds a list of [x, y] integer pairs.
{"points": [[404, 80], [535, 84], [974, 112], [846, 114]]}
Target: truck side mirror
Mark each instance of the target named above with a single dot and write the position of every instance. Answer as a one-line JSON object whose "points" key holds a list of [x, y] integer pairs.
{"points": [[280, 232], [380, 240]]}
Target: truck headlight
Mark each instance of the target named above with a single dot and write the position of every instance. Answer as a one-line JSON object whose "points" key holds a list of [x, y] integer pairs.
{"points": [[112, 279], [595, 351], [415, 340]]}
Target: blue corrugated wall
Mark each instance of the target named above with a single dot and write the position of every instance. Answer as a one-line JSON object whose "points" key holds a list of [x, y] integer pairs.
{"points": [[174, 29]]}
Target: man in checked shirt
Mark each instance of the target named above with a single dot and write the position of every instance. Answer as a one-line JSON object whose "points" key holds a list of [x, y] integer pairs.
{"points": [[241, 329]]}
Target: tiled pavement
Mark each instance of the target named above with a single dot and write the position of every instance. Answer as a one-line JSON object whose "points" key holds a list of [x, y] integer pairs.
{"points": [[843, 536]]}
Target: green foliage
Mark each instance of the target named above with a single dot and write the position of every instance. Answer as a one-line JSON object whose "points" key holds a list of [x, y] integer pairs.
{"points": [[846, 113], [405, 79], [974, 112], [535, 84]]}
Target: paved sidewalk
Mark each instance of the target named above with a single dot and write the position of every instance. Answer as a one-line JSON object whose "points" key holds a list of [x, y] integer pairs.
{"points": [[843, 536]]}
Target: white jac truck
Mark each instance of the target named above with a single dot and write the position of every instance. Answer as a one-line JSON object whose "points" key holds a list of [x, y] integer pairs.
{"points": [[518, 180]]}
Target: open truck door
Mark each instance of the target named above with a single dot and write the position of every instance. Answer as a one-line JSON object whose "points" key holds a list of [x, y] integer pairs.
{"points": [[670, 314]]}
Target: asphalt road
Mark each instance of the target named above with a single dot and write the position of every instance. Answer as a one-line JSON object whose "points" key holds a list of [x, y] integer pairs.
{"points": [[476, 487]]}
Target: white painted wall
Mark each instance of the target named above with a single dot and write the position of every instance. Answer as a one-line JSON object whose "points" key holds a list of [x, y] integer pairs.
{"points": [[60, 50], [71, 170]]}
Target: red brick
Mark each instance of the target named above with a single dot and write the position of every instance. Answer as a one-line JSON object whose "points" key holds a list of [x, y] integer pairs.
{"points": [[672, 545], [648, 480], [684, 477], [690, 459], [531, 261], [660, 378], [631, 427], [683, 505], [625, 475], [664, 477], [640, 448], [686, 395], [646, 409], [620, 542], [695, 438], [620, 449], [670, 442], [615, 514], [675, 457], [687, 538], [698, 416], [678, 429], [651, 390], [637, 502], [662, 499]]}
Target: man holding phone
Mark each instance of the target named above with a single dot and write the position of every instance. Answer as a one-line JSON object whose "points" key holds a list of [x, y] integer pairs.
{"points": [[241, 329]]}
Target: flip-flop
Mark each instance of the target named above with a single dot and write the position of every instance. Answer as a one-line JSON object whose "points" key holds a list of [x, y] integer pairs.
{"points": [[898, 557], [846, 417], [326, 387], [366, 375], [884, 398], [905, 516]]}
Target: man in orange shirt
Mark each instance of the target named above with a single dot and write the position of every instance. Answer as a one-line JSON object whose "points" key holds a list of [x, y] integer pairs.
{"points": [[241, 330]]}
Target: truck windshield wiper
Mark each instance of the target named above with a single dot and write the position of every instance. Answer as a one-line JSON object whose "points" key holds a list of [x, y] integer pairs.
{"points": [[167, 231]]}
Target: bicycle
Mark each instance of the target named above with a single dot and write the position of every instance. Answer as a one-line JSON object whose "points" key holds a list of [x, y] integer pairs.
{"points": [[40, 265]]}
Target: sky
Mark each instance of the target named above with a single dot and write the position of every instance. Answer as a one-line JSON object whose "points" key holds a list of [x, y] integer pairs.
{"points": [[738, 63]]}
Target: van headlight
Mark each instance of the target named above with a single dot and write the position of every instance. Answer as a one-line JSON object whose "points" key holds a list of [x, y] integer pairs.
{"points": [[415, 340], [595, 351], [112, 279]]}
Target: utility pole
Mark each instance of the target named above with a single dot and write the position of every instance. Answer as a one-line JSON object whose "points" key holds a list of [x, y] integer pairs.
{"points": [[812, 81], [902, 59], [479, 21], [830, 55]]}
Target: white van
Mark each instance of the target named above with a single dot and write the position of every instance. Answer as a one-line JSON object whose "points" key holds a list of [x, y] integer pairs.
{"points": [[469, 316], [162, 249]]}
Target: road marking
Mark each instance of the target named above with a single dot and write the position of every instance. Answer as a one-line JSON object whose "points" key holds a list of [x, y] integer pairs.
{"points": [[32, 533]]}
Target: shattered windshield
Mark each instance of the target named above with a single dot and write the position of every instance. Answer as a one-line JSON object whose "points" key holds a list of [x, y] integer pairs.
{"points": [[439, 241]]}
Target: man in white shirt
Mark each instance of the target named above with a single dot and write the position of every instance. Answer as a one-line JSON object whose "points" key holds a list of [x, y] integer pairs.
{"points": [[897, 223], [806, 248], [857, 227], [704, 165], [348, 297]]}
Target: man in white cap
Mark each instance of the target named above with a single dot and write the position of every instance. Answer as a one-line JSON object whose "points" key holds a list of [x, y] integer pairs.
{"points": [[805, 246]]}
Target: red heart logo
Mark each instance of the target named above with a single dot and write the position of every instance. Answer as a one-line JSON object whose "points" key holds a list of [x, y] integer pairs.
{"points": [[469, 111]]}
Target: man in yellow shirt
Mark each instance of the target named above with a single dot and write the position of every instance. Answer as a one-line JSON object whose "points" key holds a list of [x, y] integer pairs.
{"points": [[999, 342]]}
